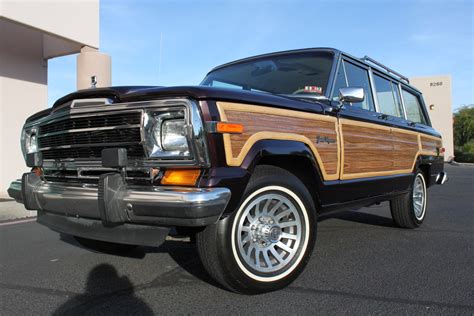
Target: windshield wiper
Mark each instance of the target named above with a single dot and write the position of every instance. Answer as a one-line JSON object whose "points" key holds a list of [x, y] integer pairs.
{"points": [[305, 97]]}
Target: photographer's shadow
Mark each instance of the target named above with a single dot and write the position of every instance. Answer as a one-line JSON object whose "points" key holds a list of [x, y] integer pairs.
{"points": [[106, 293]]}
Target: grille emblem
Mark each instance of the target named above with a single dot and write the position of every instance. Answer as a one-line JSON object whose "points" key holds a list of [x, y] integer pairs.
{"points": [[93, 82]]}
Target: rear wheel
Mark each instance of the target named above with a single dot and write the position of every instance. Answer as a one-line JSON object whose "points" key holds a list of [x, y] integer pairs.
{"points": [[104, 246], [266, 243], [408, 210]]}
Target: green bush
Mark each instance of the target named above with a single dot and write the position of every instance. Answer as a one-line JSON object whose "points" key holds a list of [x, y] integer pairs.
{"points": [[468, 147], [464, 156]]}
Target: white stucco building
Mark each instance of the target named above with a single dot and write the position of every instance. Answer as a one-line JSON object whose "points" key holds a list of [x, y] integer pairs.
{"points": [[438, 99], [31, 33]]}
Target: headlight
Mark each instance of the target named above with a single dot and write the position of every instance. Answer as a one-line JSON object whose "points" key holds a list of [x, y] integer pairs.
{"points": [[165, 134], [29, 141], [173, 135]]}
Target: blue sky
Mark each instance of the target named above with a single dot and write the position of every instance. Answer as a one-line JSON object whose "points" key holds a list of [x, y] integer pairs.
{"points": [[416, 38]]}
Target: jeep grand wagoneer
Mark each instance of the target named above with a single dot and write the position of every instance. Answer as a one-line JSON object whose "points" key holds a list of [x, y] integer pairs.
{"points": [[244, 162]]}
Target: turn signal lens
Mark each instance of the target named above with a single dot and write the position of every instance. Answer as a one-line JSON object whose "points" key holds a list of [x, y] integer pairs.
{"points": [[224, 127], [186, 177], [37, 171]]}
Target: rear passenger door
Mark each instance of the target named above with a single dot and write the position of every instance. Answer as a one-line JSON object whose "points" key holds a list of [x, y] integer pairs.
{"points": [[404, 142], [366, 147]]}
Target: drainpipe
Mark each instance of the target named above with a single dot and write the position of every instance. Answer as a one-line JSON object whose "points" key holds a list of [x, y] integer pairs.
{"points": [[92, 64]]}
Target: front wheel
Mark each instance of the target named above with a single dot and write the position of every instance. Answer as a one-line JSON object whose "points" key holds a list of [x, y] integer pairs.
{"points": [[266, 243], [408, 210]]}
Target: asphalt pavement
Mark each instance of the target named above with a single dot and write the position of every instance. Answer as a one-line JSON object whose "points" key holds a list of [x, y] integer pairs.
{"points": [[362, 265]]}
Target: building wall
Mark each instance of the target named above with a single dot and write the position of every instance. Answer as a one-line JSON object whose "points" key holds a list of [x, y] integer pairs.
{"points": [[438, 98], [73, 20], [23, 91]]}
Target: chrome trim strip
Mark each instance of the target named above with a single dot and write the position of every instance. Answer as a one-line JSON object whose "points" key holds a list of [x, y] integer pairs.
{"points": [[374, 91], [79, 130], [88, 145], [97, 101], [57, 117], [403, 102]]}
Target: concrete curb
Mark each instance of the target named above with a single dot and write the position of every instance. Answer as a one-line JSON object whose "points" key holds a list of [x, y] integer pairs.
{"points": [[10, 210]]}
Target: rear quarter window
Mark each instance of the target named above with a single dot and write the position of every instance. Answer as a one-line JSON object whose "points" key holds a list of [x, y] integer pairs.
{"points": [[413, 107]]}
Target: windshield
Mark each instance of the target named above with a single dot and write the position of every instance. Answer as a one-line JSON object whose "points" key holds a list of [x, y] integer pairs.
{"points": [[294, 73]]}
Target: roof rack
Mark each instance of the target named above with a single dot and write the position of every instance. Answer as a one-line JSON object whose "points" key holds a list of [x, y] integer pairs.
{"points": [[373, 61]]}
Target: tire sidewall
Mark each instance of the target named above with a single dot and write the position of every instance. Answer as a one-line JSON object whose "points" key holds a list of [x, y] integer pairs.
{"points": [[228, 252], [418, 222]]}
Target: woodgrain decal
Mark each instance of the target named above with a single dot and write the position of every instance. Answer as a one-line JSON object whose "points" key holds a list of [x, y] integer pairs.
{"points": [[359, 150], [429, 144], [405, 149], [270, 123], [370, 150]]}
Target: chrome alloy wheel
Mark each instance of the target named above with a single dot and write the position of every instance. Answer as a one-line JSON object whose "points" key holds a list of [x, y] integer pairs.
{"points": [[271, 233], [419, 197]]}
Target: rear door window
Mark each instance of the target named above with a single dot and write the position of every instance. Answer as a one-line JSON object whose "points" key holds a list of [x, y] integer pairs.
{"points": [[386, 97], [413, 107]]}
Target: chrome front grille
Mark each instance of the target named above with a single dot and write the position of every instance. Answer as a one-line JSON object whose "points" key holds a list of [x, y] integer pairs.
{"points": [[86, 136], [71, 140]]}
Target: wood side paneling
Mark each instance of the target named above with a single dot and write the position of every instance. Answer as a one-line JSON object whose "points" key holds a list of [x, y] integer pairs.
{"points": [[405, 150], [361, 149], [267, 123], [366, 149], [429, 145]]}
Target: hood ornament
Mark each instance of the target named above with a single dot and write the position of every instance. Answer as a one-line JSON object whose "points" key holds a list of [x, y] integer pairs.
{"points": [[93, 82]]}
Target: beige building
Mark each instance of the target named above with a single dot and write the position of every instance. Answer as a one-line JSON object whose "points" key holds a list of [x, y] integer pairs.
{"points": [[438, 99], [31, 33]]}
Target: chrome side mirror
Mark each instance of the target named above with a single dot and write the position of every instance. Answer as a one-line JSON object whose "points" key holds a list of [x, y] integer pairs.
{"points": [[351, 94]]}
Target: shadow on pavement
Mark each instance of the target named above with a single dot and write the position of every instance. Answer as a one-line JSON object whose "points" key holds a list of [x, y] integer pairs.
{"points": [[183, 253], [359, 217], [121, 300]]}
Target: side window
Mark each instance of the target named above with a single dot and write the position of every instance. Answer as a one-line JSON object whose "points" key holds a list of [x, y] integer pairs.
{"points": [[398, 98], [412, 107], [359, 77], [386, 97], [340, 82]]}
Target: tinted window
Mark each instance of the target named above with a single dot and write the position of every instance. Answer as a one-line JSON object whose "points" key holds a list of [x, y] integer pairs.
{"points": [[295, 73], [386, 97], [412, 107], [359, 77]]}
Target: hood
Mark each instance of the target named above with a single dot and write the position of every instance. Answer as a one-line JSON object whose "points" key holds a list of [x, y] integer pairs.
{"points": [[144, 93]]}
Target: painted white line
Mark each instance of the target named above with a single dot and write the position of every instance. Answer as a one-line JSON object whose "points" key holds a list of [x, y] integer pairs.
{"points": [[20, 221]]}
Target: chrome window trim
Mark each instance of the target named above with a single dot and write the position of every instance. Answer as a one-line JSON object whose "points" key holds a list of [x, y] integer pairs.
{"points": [[374, 91], [403, 102]]}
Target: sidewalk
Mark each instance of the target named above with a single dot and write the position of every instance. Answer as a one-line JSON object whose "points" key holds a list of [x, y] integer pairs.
{"points": [[9, 209]]}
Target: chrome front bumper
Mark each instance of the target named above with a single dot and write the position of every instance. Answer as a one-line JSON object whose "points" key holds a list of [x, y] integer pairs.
{"points": [[114, 203]]}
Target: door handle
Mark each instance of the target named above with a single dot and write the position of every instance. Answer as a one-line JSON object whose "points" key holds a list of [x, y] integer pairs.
{"points": [[382, 116], [412, 124]]}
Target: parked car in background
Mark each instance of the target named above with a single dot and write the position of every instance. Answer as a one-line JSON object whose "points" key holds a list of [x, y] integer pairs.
{"points": [[245, 162]]}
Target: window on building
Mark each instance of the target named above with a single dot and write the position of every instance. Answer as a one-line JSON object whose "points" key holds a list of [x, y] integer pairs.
{"points": [[413, 107], [386, 96], [359, 77]]}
